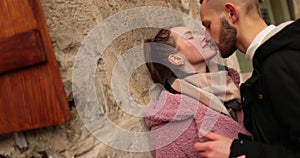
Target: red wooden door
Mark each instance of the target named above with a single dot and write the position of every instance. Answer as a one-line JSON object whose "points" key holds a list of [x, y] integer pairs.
{"points": [[31, 90]]}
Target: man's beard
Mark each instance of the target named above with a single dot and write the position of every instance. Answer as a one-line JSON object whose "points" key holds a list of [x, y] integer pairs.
{"points": [[227, 39]]}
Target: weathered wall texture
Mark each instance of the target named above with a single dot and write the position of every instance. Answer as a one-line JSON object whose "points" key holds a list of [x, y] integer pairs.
{"points": [[69, 22]]}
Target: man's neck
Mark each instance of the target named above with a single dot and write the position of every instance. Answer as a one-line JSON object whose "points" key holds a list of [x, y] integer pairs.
{"points": [[248, 31]]}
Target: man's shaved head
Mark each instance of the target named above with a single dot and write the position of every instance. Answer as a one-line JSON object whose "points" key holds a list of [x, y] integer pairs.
{"points": [[250, 6]]}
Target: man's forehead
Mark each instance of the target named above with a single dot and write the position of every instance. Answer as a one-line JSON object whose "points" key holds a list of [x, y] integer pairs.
{"points": [[206, 9], [203, 10]]}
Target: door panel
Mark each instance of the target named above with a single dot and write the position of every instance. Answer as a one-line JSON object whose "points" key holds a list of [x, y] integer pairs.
{"points": [[31, 89]]}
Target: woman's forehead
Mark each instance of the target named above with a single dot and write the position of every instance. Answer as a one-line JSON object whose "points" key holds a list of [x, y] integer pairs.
{"points": [[181, 30]]}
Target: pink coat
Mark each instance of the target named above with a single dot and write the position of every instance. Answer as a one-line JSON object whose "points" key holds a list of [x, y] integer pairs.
{"points": [[174, 121]]}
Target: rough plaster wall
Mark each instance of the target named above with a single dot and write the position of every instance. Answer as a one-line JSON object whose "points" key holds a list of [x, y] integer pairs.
{"points": [[69, 22]]}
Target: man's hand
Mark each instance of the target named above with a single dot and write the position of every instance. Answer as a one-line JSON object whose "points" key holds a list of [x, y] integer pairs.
{"points": [[217, 147]]}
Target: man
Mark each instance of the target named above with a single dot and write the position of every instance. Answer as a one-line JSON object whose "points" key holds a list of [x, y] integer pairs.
{"points": [[271, 96]]}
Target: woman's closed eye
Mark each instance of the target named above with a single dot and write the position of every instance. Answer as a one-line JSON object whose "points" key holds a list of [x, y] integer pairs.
{"points": [[189, 35]]}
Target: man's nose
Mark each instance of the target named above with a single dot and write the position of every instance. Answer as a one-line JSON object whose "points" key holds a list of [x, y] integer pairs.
{"points": [[207, 35]]}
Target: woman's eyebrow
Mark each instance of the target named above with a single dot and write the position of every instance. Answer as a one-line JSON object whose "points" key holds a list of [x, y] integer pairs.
{"points": [[188, 32]]}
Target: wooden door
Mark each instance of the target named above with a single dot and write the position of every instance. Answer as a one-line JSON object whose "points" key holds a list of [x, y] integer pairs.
{"points": [[31, 90]]}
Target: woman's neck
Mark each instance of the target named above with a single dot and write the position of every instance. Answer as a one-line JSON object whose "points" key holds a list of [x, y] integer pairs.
{"points": [[196, 68]]}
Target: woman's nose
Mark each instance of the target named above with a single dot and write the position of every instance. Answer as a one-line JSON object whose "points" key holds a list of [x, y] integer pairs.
{"points": [[200, 37]]}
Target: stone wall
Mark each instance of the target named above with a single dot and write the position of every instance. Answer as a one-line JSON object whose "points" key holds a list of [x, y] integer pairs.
{"points": [[69, 22]]}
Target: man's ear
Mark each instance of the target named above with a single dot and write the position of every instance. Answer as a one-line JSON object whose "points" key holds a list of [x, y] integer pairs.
{"points": [[176, 59], [232, 12]]}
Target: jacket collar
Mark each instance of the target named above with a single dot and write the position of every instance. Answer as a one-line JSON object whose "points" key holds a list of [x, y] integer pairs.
{"points": [[262, 37], [258, 41], [283, 36]]}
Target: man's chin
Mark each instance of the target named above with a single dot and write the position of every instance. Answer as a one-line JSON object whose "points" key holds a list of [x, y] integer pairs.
{"points": [[226, 54]]}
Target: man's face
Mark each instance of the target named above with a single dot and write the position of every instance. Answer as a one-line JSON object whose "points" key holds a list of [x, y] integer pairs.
{"points": [[227, 39], [220, 30]]}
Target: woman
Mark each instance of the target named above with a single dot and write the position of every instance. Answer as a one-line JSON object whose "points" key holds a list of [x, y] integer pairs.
{"points": [[180, 61]]}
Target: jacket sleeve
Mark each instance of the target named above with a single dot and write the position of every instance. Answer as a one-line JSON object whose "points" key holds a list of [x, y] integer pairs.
{"points": [[282, 81], [258, 150]]}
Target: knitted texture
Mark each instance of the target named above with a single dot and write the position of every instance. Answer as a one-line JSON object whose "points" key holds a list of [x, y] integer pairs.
{"points": [[174, 121]]}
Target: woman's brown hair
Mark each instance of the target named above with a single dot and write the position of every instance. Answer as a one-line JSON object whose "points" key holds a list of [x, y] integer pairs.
{"points": [[156, 52]]}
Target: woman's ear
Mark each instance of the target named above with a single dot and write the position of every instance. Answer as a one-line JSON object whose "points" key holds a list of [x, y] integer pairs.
{"points": [[232, 12], [176, 59]]}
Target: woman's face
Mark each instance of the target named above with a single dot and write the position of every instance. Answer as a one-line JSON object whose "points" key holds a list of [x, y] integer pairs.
{"points": [[195, 48]]}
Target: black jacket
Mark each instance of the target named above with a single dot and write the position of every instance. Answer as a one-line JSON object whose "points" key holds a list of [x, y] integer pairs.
{"points": [[271, 99]]}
